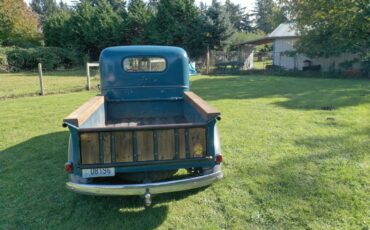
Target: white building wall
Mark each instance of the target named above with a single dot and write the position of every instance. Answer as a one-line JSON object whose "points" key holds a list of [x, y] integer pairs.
{"points": [[282, 45], [333, 63]]}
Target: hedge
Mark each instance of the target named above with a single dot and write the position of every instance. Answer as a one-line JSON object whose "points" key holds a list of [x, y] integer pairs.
{"points": [[20, 59]]}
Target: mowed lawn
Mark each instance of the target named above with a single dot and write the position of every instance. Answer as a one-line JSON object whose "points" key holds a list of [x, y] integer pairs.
{"points": [[288, 163], [13, 85]]}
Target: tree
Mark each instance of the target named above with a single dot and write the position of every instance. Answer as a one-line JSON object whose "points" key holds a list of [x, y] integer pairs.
{"points": [[269, 15], [239, 37], [218, 27], [117, 5], [88, 28], [330, 28], [178, 22], [93, 25], [238, 16], [153, 6], [18, 24], [55, 30], [63, 6], [44, 8], [138, 17], [92, 28]]}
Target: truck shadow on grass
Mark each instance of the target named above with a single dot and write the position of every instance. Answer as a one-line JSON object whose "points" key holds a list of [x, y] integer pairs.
{"points": [[33, 171], [290, 92], [128, 212]]}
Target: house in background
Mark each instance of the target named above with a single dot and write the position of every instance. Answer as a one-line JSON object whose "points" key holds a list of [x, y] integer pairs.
{"points": [[283, 39]]}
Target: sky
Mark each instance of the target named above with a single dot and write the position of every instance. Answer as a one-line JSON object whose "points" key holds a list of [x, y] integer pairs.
{"points": [[249, 4]]}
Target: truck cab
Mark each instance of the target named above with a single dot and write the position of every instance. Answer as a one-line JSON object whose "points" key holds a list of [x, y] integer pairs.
{"points": [[144, 127]]}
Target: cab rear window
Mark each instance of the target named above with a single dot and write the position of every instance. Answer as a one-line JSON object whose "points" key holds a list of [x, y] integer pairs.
{"points": [[144, 64]]}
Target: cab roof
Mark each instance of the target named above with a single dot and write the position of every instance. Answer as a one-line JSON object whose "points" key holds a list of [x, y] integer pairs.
{"points": [[119, 84]]}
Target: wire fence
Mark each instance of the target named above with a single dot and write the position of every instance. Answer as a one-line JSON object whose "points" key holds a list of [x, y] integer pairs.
{"points": [[14, 85], [280, 62]]}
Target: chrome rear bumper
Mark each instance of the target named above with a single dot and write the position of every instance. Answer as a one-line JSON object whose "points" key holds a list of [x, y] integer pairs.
{"points": [[141, 189]]}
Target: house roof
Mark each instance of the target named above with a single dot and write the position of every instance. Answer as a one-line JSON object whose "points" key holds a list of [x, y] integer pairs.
{"points": [[284, 30]]}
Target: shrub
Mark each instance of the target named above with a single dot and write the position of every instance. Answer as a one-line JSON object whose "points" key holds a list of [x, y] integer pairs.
{"points": [[3, 60], [17, 59], [21, 59]]}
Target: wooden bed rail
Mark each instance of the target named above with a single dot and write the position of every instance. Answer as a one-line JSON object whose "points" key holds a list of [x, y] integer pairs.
{"points": [[80, 115], [202, 106]]}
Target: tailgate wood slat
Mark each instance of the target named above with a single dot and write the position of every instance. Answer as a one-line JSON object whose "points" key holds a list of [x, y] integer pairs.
{"points": [[166, 144], [123, 144], [197, 142], [90, 148], [145, 145], [182, 144], [107, 147]]}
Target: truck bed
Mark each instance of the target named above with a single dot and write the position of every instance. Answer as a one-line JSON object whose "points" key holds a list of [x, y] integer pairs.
{"points": [[98, 113], [133, 132]]}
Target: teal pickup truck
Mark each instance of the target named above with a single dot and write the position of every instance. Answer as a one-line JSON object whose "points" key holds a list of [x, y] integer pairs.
{"points": [[144, 126]]}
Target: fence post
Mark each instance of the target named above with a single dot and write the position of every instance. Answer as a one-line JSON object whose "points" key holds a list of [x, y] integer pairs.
{"points": [[88, 86], [42, 92], [208, 61]]}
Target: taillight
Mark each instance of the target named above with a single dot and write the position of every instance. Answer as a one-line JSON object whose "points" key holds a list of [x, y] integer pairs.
{"points": [[218, 159], [68, 167]]}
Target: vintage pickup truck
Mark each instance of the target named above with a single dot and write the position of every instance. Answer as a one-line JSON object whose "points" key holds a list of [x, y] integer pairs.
{"points": [[143, 128]]}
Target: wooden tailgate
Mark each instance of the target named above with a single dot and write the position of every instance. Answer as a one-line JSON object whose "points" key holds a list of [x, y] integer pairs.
{"points": [[140, 146]]}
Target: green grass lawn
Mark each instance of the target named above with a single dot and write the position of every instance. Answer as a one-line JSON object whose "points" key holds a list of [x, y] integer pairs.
{"points": [[27, 84], [288, 164]]}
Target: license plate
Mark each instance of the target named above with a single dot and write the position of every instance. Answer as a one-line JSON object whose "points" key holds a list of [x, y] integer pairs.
{"points": [[98, 172]]}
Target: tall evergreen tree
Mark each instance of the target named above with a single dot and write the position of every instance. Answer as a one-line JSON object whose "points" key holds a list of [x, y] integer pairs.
{"points": [[218, 27], [92, 28], [268, 15], [93, 25], [238, 16], [44, 8], [178, 23], [138, 17], [153, 6], [55, 29], [118, 5], [63, 6]]}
